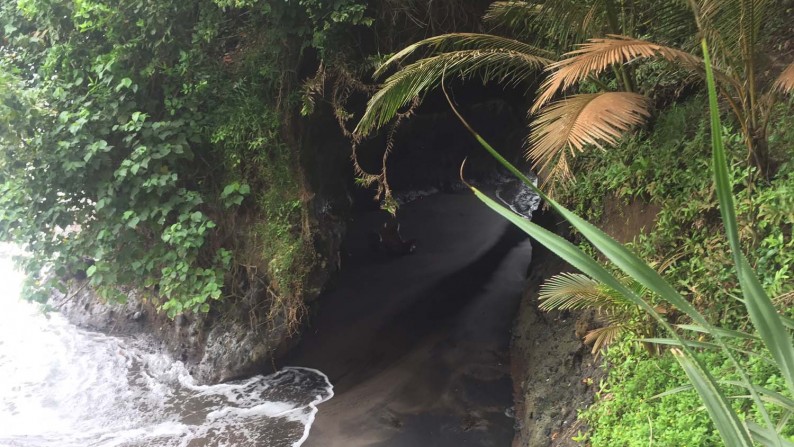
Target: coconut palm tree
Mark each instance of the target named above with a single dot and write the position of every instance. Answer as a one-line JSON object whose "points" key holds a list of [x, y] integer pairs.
{"points": [[510, 61], [491, 58]]}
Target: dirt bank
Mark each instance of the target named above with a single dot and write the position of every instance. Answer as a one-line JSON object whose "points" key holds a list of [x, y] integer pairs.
{"points": [[554, 374]]}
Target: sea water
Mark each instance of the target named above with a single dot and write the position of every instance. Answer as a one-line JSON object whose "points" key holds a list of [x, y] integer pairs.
{"points": [[61, 386]]}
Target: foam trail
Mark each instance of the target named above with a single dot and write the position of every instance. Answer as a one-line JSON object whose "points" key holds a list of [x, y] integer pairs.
{"points": [[518, 196], [66, 387]]}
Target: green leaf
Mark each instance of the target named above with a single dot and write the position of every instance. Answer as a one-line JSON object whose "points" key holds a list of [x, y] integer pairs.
{"points": [[125, 83], [731, 429], [760, 308], [90, 271], [230, 188], [767, 437]]}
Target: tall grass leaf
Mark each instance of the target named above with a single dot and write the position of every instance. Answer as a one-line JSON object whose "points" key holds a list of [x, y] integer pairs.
{"points": [[705, 345], [767, 437], [724, 332], [730, 427], [760, 308], [766, 394], [623, 258], [723, 416]]}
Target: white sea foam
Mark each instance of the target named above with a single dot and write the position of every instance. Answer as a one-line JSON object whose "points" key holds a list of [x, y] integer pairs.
{"points": [[66, 387], [518, 196]]}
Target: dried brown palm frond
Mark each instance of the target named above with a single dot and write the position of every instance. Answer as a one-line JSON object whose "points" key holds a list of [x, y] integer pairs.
{"points": [[602, 337], [785, 82], [565, 127], [598, 55]]}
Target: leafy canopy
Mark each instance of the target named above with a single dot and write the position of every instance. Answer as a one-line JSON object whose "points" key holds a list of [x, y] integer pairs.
{"points": [[138, 139]]}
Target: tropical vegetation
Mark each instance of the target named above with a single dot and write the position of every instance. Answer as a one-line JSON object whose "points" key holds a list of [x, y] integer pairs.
{"points": [[607, 69], [613, 98], [149, 144], [772, 330], [170, 147]]}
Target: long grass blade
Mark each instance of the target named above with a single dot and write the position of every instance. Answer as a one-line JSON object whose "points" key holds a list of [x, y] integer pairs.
{"points": [[705, 345], [766, 394], [730, 427], [767, 437], [760, 308], [724, 332], [723, 416]]}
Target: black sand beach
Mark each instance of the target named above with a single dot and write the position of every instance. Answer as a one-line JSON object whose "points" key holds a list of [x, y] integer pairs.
{"points": [[417, 346]]}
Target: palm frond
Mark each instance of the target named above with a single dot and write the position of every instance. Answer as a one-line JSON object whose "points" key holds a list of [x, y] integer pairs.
{"points": [[515, 17], [565, 127], [618, 302], [603, 336], [597, 55], [672, 21], [733, 28], [459, 42], [561, 23], [507, 67], [570, 291], [785, 82]]}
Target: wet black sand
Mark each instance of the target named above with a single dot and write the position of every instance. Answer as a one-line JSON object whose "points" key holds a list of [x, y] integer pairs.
{"points": [[417, 347]]}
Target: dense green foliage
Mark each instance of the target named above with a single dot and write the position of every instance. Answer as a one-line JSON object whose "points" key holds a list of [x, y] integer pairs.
{"points": [[665, 167], [148, 143], [761, 412], [151, 144], [628, 414]]}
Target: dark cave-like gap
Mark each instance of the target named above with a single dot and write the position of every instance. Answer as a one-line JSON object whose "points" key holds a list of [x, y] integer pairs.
{"points": [[417, 346]]}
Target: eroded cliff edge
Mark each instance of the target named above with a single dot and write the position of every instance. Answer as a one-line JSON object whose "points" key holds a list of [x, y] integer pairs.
{"points": [[240, 336]]}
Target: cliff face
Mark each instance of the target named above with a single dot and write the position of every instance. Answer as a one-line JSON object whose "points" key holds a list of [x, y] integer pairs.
{"points": [[242, 336], [215, 347]]}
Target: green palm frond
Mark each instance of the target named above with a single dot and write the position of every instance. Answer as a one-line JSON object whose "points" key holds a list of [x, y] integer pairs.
{"points": [[672, 22], [559, 23], [506, 67], [514, 17], [459, 42], [733, 29], [618, 303]]}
